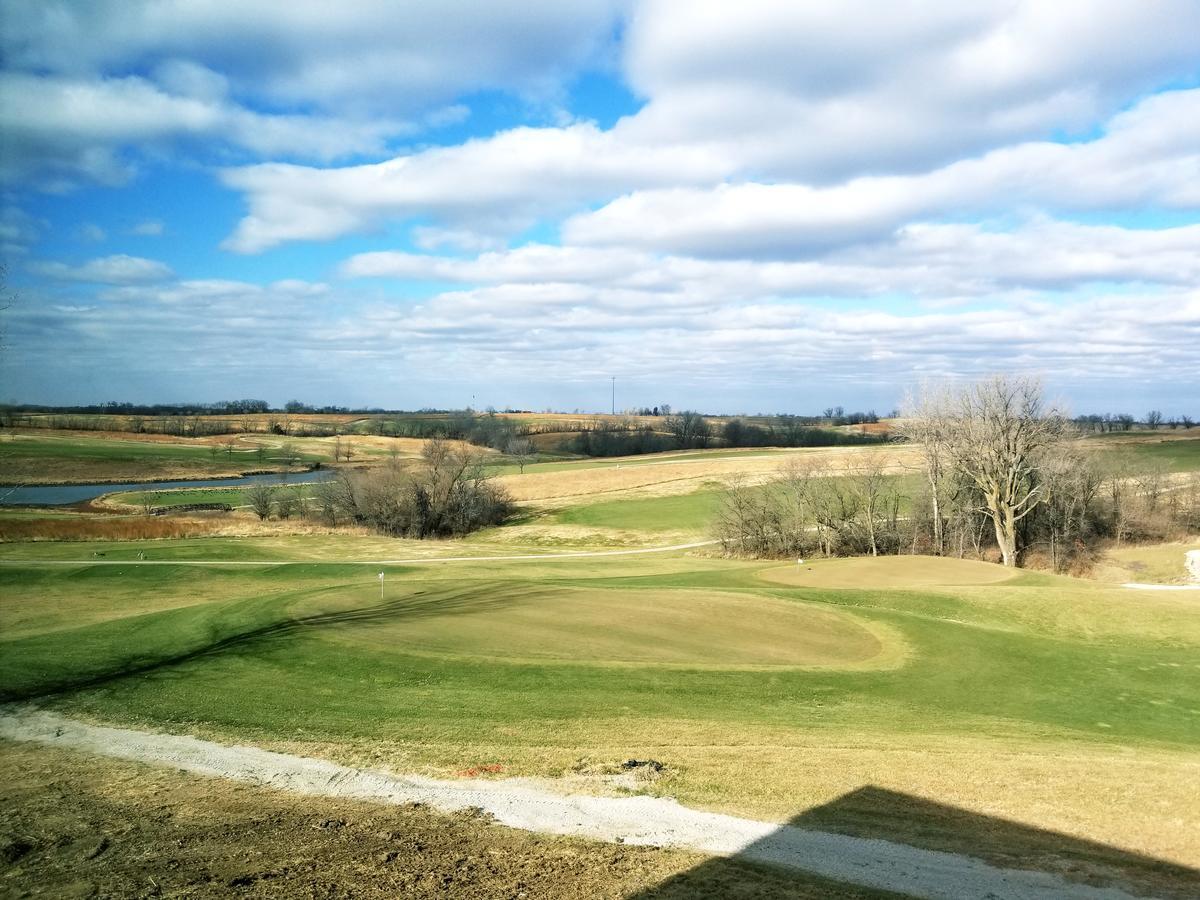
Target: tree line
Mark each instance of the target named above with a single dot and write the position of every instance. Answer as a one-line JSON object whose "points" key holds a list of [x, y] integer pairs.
{"points": [[1002, 474]]}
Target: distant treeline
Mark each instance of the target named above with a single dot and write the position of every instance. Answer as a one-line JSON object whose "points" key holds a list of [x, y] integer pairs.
{"points": [[1105, 422], [689, 430]]}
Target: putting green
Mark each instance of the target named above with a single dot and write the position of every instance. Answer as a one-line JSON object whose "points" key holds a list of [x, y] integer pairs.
{"points": [[675, 628], [887, 573]]}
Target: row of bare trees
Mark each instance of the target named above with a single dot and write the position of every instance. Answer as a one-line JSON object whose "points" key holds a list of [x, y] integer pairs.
{"points": [[813, 509], [1002, 472]]}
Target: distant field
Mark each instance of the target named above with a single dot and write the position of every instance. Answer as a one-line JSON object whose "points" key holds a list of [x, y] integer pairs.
{"points": [[27, 458], [1179, 455], [766, 689]]}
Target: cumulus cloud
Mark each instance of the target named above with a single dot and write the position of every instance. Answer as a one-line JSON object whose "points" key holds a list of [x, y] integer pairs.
{"points": [[940, 262], [502, 183], [1148, 157], [369, 58], [117, 269], [60, 129], [825, 90]]}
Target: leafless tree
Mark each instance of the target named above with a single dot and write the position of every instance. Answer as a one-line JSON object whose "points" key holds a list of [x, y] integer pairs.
{"points": [[262, 498], [877, 499], [521, 451], [1000, 432], [924, 425], [689, 428]]}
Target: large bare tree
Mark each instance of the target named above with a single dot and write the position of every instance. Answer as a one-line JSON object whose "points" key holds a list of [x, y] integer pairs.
{"points": [[999, 433]]}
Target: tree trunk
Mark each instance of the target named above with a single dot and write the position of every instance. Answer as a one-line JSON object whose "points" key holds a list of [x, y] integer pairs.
{"points": [[1006, 535]]}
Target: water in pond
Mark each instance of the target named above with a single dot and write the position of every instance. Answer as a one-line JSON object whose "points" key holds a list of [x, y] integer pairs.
{"points": [[60, 494]]}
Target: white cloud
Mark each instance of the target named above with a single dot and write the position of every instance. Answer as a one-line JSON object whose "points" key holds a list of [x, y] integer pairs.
{"points": [[1149, 157], [18, 230], [366, 59], [829, 89], [117, 269], [502, 183], [74, 128], [937, 263], [92, 233], [148, 228]]}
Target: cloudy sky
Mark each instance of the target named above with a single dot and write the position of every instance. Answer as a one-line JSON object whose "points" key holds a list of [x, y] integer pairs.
{"points": [[764, 205]]}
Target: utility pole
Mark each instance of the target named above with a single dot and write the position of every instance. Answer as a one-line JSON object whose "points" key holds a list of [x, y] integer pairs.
{"points": [[614, 395]]}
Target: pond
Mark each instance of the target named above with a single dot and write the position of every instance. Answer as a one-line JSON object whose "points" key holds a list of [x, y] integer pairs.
{"points": [[60, 494]]}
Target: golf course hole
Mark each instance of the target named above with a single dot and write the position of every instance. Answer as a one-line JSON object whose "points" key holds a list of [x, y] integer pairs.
{"points": [[677, 628]]}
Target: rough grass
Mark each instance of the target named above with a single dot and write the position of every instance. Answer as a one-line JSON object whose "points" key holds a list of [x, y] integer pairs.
{"points": [[1175, 453], [79, 528], [1152, 564]]}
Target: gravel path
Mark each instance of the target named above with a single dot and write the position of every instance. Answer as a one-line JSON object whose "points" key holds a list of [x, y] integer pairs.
{"points": [[529, 806]]}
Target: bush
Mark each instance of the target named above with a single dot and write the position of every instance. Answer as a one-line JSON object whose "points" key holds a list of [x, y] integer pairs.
{"points": [[447, 496]]}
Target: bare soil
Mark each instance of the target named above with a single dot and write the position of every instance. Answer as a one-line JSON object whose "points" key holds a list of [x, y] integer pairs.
{"points": [[76, 826]]}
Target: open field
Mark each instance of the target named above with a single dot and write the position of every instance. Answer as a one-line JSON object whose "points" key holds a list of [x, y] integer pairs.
{"points": [[31, 457]]}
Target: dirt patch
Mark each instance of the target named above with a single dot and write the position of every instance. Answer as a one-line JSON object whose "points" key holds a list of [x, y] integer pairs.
{"points": [[73, 825]]}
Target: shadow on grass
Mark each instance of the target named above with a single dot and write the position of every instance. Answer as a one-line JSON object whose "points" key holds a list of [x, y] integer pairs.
{"points": [[113, 658], [1055, 865]]}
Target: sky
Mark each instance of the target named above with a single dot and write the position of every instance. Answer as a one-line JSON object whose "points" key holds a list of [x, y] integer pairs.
{"points": [[761, 206]]}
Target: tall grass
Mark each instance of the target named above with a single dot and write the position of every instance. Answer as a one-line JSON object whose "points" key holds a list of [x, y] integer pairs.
{"points": [[115, 529]]}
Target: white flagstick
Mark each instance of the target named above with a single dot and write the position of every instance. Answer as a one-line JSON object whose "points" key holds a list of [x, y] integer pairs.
{"points": [[381, 587]]}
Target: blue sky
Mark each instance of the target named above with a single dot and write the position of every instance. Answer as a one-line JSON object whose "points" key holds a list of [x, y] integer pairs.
{"points": [[761, 206]]}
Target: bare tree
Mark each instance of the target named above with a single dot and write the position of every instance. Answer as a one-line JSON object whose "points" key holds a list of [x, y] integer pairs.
{"points": [[926, 426], [689, 428], [262, 499], [521, 451], [876, 496], [1000, 433], [1153, 419]]}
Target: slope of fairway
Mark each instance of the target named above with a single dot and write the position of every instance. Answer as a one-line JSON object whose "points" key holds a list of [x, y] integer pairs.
{"points": [[695, 629], [892, 572]]}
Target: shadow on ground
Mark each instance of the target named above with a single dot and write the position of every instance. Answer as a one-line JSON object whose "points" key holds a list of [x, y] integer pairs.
{"points": [[873, 812]]}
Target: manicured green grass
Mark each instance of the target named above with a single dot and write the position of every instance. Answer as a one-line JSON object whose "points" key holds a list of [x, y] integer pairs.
{"points": [[231, 496], [681, 512], [966, 664]]}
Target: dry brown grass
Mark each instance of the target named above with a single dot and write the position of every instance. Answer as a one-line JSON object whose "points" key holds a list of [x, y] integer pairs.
{"points": [[132, 528], [682, 476]]}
